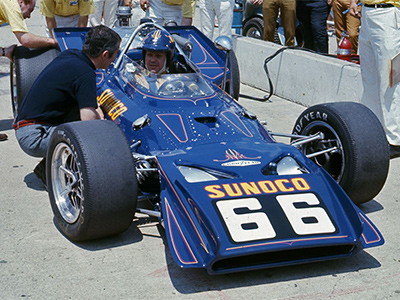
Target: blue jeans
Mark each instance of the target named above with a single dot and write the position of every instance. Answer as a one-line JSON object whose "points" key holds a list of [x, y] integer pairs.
{"points": [[34, 140], [312, 14]]}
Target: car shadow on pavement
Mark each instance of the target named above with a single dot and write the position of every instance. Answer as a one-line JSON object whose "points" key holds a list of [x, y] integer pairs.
{"points": [[189, 281], [371, 206], [130, 236], [6, 124], [33, 182], [133, 234], [4, 74]]}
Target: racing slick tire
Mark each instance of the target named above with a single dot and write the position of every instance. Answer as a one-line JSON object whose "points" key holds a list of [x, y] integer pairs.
{"points": [[235, 76], [26, 67], [254, 28], [361, 163], [91, 180]]}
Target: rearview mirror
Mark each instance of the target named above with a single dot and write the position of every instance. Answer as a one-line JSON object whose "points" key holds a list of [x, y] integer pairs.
{"points": [[223, 43]]}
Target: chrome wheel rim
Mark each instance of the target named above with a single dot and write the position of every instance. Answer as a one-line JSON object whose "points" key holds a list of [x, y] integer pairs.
{"points": [[254, 33], [66, 182]]}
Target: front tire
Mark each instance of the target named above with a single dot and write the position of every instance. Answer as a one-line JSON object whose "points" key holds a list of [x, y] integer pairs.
{"points": [[235, 76], [361, 163], [91, 180]]}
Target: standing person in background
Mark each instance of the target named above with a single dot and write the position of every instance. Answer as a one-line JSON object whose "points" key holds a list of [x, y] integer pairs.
{"points": [[379, 42], [163, 11], [346, 22], [312, 14], [271, 10], [14, 13], [188, 9], [66, 13], [137, 12], [106, 9], [223, 10]]}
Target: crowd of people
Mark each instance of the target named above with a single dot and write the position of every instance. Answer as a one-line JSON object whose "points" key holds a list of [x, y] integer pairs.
{"points": [[312, 16], [379, 42]]}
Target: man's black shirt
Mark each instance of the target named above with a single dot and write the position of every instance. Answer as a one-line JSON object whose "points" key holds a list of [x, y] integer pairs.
{"points": [[66, 85]]}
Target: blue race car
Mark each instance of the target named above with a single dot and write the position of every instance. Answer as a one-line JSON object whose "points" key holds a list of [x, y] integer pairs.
{"points": [[185, 151]]}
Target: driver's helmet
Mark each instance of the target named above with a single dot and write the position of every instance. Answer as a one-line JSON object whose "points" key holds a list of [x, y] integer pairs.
{"points": [[159, 40]]}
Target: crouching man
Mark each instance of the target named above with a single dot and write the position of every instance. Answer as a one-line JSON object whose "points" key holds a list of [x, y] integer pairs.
{"points": [[64, 91]]}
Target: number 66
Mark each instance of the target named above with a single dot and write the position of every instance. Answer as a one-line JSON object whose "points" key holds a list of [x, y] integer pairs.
{"points": [[260, 223]]}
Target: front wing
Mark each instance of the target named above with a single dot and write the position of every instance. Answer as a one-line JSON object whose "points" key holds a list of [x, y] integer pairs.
{"points": [[240, 226]]}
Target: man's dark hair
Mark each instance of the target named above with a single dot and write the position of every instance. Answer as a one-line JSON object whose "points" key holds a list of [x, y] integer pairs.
{"points": [[99, 39]]}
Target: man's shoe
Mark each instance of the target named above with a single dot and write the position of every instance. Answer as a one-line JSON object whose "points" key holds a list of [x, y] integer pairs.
{"points": [[3, 137], [40, 170], [394, 151]]}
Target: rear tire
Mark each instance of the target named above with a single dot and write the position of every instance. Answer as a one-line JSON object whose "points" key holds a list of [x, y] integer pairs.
{"points": [[28, 64], [361, 163], [91, 179]]}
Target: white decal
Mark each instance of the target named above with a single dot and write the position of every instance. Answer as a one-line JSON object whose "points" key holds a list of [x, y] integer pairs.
{"points": [[263, 228], [297, 216], [241, 163], [255, 225]]}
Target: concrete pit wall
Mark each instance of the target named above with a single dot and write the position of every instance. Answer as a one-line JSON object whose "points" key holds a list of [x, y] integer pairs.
{"points": [[297, 75]]}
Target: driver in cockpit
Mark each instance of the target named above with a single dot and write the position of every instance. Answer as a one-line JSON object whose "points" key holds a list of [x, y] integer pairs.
{"points": [[158, 52]]}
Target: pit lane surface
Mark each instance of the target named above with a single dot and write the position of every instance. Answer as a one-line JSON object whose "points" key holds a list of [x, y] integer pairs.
{"points": [[37, 262]]}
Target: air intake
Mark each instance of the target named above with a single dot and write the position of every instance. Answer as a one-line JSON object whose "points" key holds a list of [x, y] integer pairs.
{"points": [[273, 259]]}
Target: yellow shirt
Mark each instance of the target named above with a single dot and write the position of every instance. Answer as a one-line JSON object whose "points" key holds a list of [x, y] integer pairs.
{"points": [[173, 2], [65, 8], [10, 12], [188, 8], [394, 2]]}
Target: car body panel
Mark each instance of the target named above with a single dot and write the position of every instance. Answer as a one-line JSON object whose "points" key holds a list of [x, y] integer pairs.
{"points": [[197, 229]]}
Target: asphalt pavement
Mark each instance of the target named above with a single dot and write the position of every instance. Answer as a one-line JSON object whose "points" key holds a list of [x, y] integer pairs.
{"points": [[37, 262]]}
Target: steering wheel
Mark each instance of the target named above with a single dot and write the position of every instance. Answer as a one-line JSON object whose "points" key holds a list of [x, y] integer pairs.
{"points": [[174, 87]]}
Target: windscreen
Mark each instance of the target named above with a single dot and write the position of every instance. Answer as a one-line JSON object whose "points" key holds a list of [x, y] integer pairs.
{"points": [[184, 85]]}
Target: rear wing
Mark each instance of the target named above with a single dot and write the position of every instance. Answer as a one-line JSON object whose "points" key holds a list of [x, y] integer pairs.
{"points": [[70, 37]]}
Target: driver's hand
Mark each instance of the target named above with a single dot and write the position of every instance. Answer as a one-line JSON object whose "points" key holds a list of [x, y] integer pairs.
{"points": [[144, 4], [193, 87]]}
